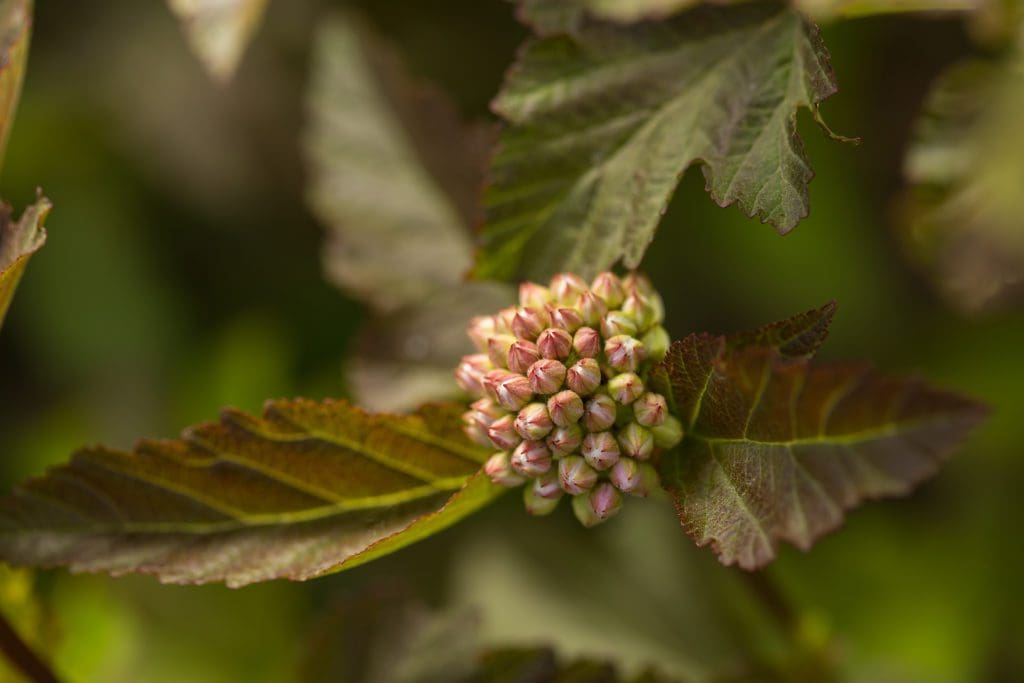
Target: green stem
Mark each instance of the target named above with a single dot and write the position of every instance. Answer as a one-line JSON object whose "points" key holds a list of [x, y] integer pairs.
{"points": [[22, 657]]}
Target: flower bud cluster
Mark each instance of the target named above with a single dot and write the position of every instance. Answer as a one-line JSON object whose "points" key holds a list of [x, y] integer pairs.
{"points": [[561, 394]]}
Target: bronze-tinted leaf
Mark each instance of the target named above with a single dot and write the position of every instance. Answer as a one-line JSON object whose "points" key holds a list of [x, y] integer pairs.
{"points": [[15, 30], [778, 450], [18, 241], [219, 30], [799, 336], [307, 489]]}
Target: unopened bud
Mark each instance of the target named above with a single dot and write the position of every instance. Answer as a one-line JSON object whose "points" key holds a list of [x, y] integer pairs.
{"points": [[537, 504], [554, 343], [499, 468], [639, 308], [563, 441], [469, 375], [638, 282], [531, 458], [617, 322], [565, 408], [584, 377], [600, 450], [547, 485], [567, 319], [591, 307], [636, 441], [634, 478], [510, 390], [668, 433], [656, 341], [498, 347], [625, 388], [600, 505], [480, 329], [599, 413], [503, 320], [650, 409], [533, 294], [587, 342], [533, 422], [521, 355], [608, 286], [486, 411], [479, 418], [624, 353], [546, 376], [473, 429], [502, 433], [575, 475], [530, 322], [566, 287]]}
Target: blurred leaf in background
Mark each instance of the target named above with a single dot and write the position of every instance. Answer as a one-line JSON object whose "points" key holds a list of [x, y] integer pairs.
{"points": [[219, 30]]}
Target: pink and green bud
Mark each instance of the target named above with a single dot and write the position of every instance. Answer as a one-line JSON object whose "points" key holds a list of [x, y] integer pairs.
{"points": [[566, 288], [656, 341], [503, 320], [636, 441], [498, 347], [502, 433], [548, 485], [584, 377], [669, 433], [499, 468], [617, 322], [485, 411], [554, 343], [599, 413], [600, 450], [635, 478], [567, 319], [650, 409], [533, 295], [530, 322], [563, 441], [546, 376], [510, 390], [469, 375], [638, 282], [480, 329], [521, 355], [591, 307], [639, 308], [601, 504], [575, 475], [624, 353], [474, 429], [538, 505], [565, 408], [587, 342], [533, 422], [608, 286], [624, 388], [531, 458]]}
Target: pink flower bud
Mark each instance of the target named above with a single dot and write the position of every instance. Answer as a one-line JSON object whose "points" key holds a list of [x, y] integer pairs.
{"points": [[537, 504], [548, 486], [503, 320], [487, 410], [639, 308], [591, 307], [498, 468], [554, 343], [650, 409], [584, 377], [534, 295], [668, 433], [521, 355], [469, 375], [565, 408], [600, 450], [587, 342], [546, 376], [607, 286], [564, 441], [476, 421], [637, 282], [529, 322], [567, 319], [624, 388], [531, 458], [656, 341], [624, 353], [498, 347], [533, 422], [617, 322], [636, 441], [510, 390], [473, 429], [566, 287], [605, 501], [480, 329], [634, 478], [503, 434], [599, 413], [575, 475]]}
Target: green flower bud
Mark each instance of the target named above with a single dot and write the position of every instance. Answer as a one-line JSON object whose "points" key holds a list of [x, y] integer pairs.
{"points": [[617, 322], [624, 353], [584, 377], [565, 408], [498, 468], [530, 322], [503, 434], [554, 343], [537, 504], [533, 422], [587, 342], [531, 458], [563, 441], [566, 288], [668, 433], [608, 286], [640, 309], [624, 388], [575, 475], [521, 355], [636, 441], [650, 409], [656, 341], [546, 376], [600, 450], [534, 295], [599, 413], [567, 319], [591, 307]]}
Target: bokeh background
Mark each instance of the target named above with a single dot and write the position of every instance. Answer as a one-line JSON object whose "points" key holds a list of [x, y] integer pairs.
{"points": [[183, 273]]}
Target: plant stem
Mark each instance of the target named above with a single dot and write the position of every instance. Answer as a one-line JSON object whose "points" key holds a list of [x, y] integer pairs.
{"points": [[772, 599], [22, 657]]}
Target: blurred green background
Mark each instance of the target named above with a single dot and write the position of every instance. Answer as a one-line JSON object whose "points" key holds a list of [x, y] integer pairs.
{"points": [[183, 273]]}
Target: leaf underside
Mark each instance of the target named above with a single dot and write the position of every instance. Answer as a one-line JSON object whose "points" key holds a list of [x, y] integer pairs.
{"points": [[219, 30], [777, 450], [307, 489], [604, 122], [15, 31], [18, 241]]}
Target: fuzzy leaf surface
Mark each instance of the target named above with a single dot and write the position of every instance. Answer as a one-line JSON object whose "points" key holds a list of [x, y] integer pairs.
{"points": [[18, 241], [308, 488], [219, 30], [604, 122], [800, 336], [15, 31], [778, 450]]}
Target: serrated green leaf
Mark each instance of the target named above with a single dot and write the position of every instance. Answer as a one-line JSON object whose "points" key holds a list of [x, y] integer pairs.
{"points": [[604, 122], [799, 337], [18, 241], [778, 450], [219, 30], [307, 489], [15, 31]]}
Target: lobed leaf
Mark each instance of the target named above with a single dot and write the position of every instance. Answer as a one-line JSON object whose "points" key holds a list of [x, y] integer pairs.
{"points": [[799, 336], [18, 241], [604, 122], [15, 31], [307, 489], [219, 30], [777, 450]]}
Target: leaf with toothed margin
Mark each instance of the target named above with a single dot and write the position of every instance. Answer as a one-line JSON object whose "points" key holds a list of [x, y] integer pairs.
{"points": [[604, 121], [777, 450], [309, 488], [219, 30], [799, 337]]}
